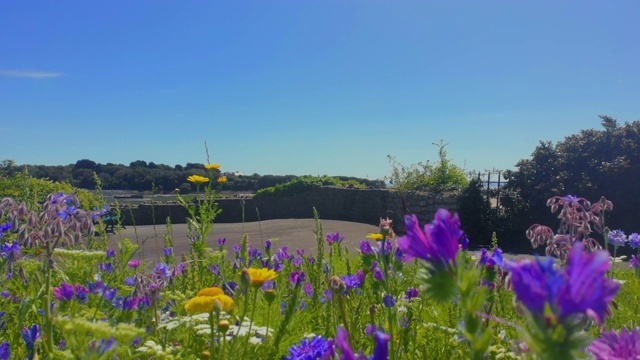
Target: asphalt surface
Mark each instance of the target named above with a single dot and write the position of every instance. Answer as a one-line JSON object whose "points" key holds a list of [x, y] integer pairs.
{"points": [[294, 233]]}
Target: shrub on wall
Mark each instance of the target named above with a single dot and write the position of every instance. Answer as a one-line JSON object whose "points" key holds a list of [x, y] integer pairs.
{"points": [[22, 187], [305, 183]]}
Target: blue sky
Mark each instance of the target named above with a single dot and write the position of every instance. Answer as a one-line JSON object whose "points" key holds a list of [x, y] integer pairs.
{"points": [[310, 87]]}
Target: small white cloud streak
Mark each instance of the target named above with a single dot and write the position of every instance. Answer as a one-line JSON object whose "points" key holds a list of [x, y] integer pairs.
{"points": [[31, 74]]}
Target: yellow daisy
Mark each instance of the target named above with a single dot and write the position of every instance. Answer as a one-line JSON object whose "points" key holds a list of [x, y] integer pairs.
{"points": [[261, 276], [222, 179], [205, 304], [210, 291], [197, 179], [213, 166], [376, 237]]}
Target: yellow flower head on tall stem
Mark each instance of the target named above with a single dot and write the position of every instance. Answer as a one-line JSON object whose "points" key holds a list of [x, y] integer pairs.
{"points": [[212, 166], [197, 179], [210, 291], [261, 276], [222, 179], [206, 304], [376, 237]]}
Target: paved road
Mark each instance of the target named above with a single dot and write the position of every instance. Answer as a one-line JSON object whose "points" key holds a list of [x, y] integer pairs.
{"points": [[294, 233]]}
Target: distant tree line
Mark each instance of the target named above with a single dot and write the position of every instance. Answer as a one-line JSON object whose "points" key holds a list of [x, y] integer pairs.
{"points": [[142, 176]]}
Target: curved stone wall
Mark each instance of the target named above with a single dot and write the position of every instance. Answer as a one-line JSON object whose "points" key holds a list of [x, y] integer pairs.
{"points": [[357, 205]]}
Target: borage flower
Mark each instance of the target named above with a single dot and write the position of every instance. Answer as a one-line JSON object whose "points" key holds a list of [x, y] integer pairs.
{"points": [[612, 345]]}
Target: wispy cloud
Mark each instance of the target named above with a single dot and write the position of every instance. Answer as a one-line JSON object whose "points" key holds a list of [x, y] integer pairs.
{"points": [[30, 74]]}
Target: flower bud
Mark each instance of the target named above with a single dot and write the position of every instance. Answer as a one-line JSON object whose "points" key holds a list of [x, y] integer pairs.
{"points": [[245, 278], [270, 295], [223, 326]]}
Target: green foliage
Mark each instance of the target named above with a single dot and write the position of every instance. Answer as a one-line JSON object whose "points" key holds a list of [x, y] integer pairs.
{"points": [[23, 187], [475, 213], [305, 183], [588, 164], [438, 178], [141, 176]]}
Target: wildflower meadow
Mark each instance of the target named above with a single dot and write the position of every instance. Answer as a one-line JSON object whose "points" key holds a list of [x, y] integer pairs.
{"points": [[66, 294]]}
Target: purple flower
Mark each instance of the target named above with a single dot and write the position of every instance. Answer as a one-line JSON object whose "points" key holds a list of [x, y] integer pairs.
{"points": [[8, 249], [311, 260], [381, 351], [342, 342], [130, 281], [351, 281], [581, 289], [267, 245], [437, 244], [101, 347], [617, 238], [168, 251], [296, 278], [5, 351], [412, 293], [297, 261], [106, 267], [635, 262], [634, 240], [222, 241], [624, 345], [111, 253], [215, 268], [495, 258], [378, 274], [237, 248], [134, 263], [30, 336], [370, 329], [361, 276], [308, 289], [316, 347], [388, 300], [570, 198], [334, 238], [300, 252], [365, 247]]}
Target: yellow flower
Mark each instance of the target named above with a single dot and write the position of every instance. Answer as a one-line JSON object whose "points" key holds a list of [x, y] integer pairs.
{"points": [[205, 304], [197, 179], [222, 179], [212, 166], [376, 237], [210, 291], [261, 276]]}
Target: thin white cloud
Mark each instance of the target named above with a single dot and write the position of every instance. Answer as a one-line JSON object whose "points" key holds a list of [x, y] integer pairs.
{"points": [[30, 74]]}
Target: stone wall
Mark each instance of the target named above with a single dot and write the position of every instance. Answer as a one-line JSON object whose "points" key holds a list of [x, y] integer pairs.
{"points": [[357, 205]]}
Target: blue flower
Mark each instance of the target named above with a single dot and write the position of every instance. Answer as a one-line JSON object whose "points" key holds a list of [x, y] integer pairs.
{"points": [[388, 300], [634, 240], [5, 351], [617, 238], [316, 347], [4, 228], [30, 336]]}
